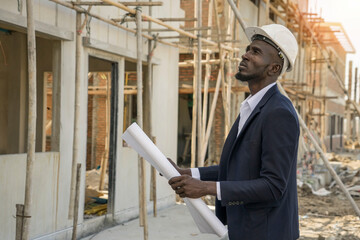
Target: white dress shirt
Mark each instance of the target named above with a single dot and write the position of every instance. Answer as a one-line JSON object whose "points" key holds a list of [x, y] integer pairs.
{"points": [[246, 108]]}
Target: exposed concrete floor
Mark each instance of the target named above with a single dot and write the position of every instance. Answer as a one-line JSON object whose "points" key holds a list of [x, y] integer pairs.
{"points": [[171, 223]]}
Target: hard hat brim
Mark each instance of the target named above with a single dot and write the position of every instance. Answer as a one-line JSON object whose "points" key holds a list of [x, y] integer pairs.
{"points": [[251, 31]]}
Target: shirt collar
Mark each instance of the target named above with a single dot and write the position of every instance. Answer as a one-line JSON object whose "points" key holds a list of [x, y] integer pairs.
{"points": [[253, 100]]}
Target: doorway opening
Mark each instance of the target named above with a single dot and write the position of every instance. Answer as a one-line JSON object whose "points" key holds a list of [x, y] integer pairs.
{"points": [[101, 137]]}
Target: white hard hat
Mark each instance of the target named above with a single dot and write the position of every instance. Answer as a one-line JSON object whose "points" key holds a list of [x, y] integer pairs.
{"points": [[281, 37]]}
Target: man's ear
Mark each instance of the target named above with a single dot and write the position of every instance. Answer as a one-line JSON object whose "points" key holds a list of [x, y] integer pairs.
{"points": [[275, 69]]}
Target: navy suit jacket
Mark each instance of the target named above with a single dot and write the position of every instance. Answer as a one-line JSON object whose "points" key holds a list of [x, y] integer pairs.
{"points": [[257, 173]]}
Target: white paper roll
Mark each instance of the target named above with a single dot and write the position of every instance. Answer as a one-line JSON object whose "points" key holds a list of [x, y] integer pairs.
{"points": [[204, 218]]}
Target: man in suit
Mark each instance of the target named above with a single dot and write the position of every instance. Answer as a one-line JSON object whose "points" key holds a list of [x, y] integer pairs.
{"points": [[255, 182]]}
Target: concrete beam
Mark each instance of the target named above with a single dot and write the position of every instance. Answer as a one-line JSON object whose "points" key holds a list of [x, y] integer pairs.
{"points": [[17, 22], [106, 47]]}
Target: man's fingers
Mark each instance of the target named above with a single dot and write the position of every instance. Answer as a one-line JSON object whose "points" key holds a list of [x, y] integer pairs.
{"points": [[176, 185], [175, 179], [180, 191]]}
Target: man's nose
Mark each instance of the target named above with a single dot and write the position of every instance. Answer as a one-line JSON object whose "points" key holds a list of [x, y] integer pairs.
{"points": [[245, 56]]}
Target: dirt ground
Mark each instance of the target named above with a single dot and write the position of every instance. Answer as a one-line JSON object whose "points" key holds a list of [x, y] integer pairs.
{"points": [[332, 217], [328, 217]]}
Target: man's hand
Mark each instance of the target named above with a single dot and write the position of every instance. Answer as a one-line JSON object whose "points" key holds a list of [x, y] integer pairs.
{"points": [[182, 171], [187, 186]]}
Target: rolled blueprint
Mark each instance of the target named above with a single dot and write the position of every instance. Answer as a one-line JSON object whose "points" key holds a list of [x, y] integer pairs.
{"points": [[204, 218]]}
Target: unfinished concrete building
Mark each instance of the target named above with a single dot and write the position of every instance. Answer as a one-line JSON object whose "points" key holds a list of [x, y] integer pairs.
{"points": [[87, 94], [107, 106]]}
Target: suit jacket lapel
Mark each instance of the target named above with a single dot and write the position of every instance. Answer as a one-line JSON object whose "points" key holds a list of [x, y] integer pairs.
{"points": [[254, 113]]}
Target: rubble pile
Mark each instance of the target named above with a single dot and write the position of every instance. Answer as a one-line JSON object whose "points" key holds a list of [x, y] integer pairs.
{"points": [[324, 211], [350, 144]]}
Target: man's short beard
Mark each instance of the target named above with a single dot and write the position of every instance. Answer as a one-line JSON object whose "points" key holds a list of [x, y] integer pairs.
{"points": [[242, 78]]}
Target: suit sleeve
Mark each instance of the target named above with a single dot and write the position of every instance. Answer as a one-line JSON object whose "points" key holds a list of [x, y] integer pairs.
{"points": [[209, 173], [280, 133]]}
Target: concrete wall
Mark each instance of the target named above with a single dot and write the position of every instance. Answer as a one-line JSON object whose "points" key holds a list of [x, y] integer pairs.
{"points": [[45, 195], [53, 170]]}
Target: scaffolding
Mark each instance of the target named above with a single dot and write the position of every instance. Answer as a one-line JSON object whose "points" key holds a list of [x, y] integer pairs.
{"points": [[217, 44]]}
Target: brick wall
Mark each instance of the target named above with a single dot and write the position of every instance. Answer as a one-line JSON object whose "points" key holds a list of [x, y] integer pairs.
{"points": [[217, 133], [97, 112]]}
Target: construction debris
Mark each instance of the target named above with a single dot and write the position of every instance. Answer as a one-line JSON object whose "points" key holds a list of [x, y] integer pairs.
{"points": [[95, 199], [324, 212]]}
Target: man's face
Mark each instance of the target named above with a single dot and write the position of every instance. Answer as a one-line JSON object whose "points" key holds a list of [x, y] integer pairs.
{"points": [[256, 61]]}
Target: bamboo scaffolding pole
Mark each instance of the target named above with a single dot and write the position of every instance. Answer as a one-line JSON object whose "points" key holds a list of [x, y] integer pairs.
{"points": [[228, 65], [31, 140], [348, 108], [153, 186], [267, 11], [329, 64], [170, 30], [222, 66], [145, 17], [228, 91], [19, 221], [189, 63], [357, 98], [219, 80], [76, 140], [194, 116], [318, 149], [161, 23], [81, 10], [213, 89], [177, 19], [356, 84], [200, 163], [356, 133], [77, 195], [324, 158], [94, 128], [195, 102], [237, 14], [161, 19], [211, 117], [141, 162], [128, 4], [104, 162], [206, 87], [148, 114]]}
